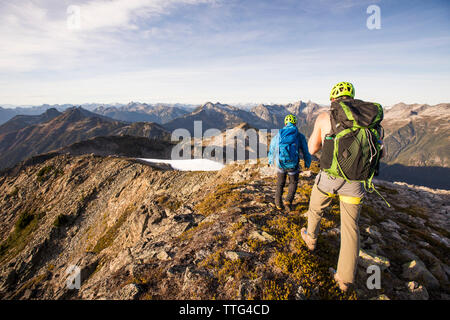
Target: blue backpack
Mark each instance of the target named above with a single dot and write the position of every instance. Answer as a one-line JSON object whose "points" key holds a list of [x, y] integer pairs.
{"points": [[288, 148]]}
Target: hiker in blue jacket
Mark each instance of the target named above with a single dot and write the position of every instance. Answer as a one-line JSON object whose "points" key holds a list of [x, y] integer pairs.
{"points": [[284, 152]]}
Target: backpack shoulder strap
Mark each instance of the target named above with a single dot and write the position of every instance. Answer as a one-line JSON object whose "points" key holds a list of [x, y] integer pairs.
{"points": [[334, 116], [348, 113]]}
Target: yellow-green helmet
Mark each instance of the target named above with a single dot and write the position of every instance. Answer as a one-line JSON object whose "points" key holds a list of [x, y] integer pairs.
{"points": [[290, 118], [342, 89]]}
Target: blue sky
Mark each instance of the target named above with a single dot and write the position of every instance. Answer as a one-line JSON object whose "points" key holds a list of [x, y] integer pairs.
{"points": [[193, 51]]}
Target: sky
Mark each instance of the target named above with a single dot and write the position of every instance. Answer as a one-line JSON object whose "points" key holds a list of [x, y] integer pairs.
{"points": [[228, 51]]}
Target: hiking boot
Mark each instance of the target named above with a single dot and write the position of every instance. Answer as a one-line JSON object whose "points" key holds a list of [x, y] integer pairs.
{"points": [[289, 207], [343, 286], [280, 207], [310, 243]]}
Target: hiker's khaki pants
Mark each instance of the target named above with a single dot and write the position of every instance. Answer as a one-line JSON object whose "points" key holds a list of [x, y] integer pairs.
{"points": [[350, 206]]}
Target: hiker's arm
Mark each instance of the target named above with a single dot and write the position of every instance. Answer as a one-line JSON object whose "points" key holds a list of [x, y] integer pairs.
{"points": [[383, 150], [315, 140], [381, 135], [305, 151], [272, 149]]}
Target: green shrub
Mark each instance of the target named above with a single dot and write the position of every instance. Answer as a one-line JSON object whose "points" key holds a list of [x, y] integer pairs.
{"points": [[166, 202], [44, 171], [108, 238], [24, 220], [57, 173], [43, 174], [3, 248], [61, 220], [18, 239], [15, 192]]}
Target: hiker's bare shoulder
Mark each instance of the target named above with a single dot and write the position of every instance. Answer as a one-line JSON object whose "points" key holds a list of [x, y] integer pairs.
{"points": [[323, 117]]}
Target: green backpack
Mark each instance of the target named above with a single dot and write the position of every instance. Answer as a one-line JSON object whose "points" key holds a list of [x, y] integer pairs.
{"points": [[353, 148]]}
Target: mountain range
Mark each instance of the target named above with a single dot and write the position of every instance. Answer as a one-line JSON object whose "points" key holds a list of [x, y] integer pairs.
{"points": [[26, 136], [133, 111], [8, 113], [139, 112], [223, 116], [416, 136], [417, 140]]}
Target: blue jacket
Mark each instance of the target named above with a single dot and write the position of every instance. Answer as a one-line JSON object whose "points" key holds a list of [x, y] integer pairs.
{"points": [[301, 142]]}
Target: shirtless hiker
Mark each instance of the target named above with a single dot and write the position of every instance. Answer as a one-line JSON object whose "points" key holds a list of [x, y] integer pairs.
{"points": [[349, 178]]}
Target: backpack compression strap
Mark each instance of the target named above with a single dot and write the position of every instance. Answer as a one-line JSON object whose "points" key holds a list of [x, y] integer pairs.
{"points": [[370, 187]]}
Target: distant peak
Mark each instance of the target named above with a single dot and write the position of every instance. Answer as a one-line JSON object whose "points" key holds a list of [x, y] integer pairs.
{"points": [[208, 104], [213, 106], [77, 113], [52, 111], [74, 109]]}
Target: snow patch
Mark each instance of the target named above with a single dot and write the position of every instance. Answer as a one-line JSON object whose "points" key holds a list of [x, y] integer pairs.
{"points": [[189, 164]]}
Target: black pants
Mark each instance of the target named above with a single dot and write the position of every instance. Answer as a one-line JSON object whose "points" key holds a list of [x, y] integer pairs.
{"points": [[281, 181]]}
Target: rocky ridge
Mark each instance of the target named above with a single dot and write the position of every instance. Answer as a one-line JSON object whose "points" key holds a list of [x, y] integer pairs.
{"points": [[142, 232]]}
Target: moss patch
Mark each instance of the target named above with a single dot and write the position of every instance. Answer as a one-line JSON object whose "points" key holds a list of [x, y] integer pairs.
{"points": [[230, 271], [414, 211], [387, 190], [284, 265], [24, 220], [310, 271], [18, 239], [108, 238], [188, 234], [299, 266], [32, 283], [166, 202], [224, 196], [274, 290], [44, 173], [60, 220], [148, 281], [371, 213], [14, 192]]}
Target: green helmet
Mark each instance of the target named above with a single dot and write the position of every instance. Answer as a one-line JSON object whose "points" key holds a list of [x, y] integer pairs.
{"points": [[342, 89], [290, 118]]}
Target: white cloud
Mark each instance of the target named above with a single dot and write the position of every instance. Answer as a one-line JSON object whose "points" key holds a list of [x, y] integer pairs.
{"points": [[36, 36], [123, 13]]}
